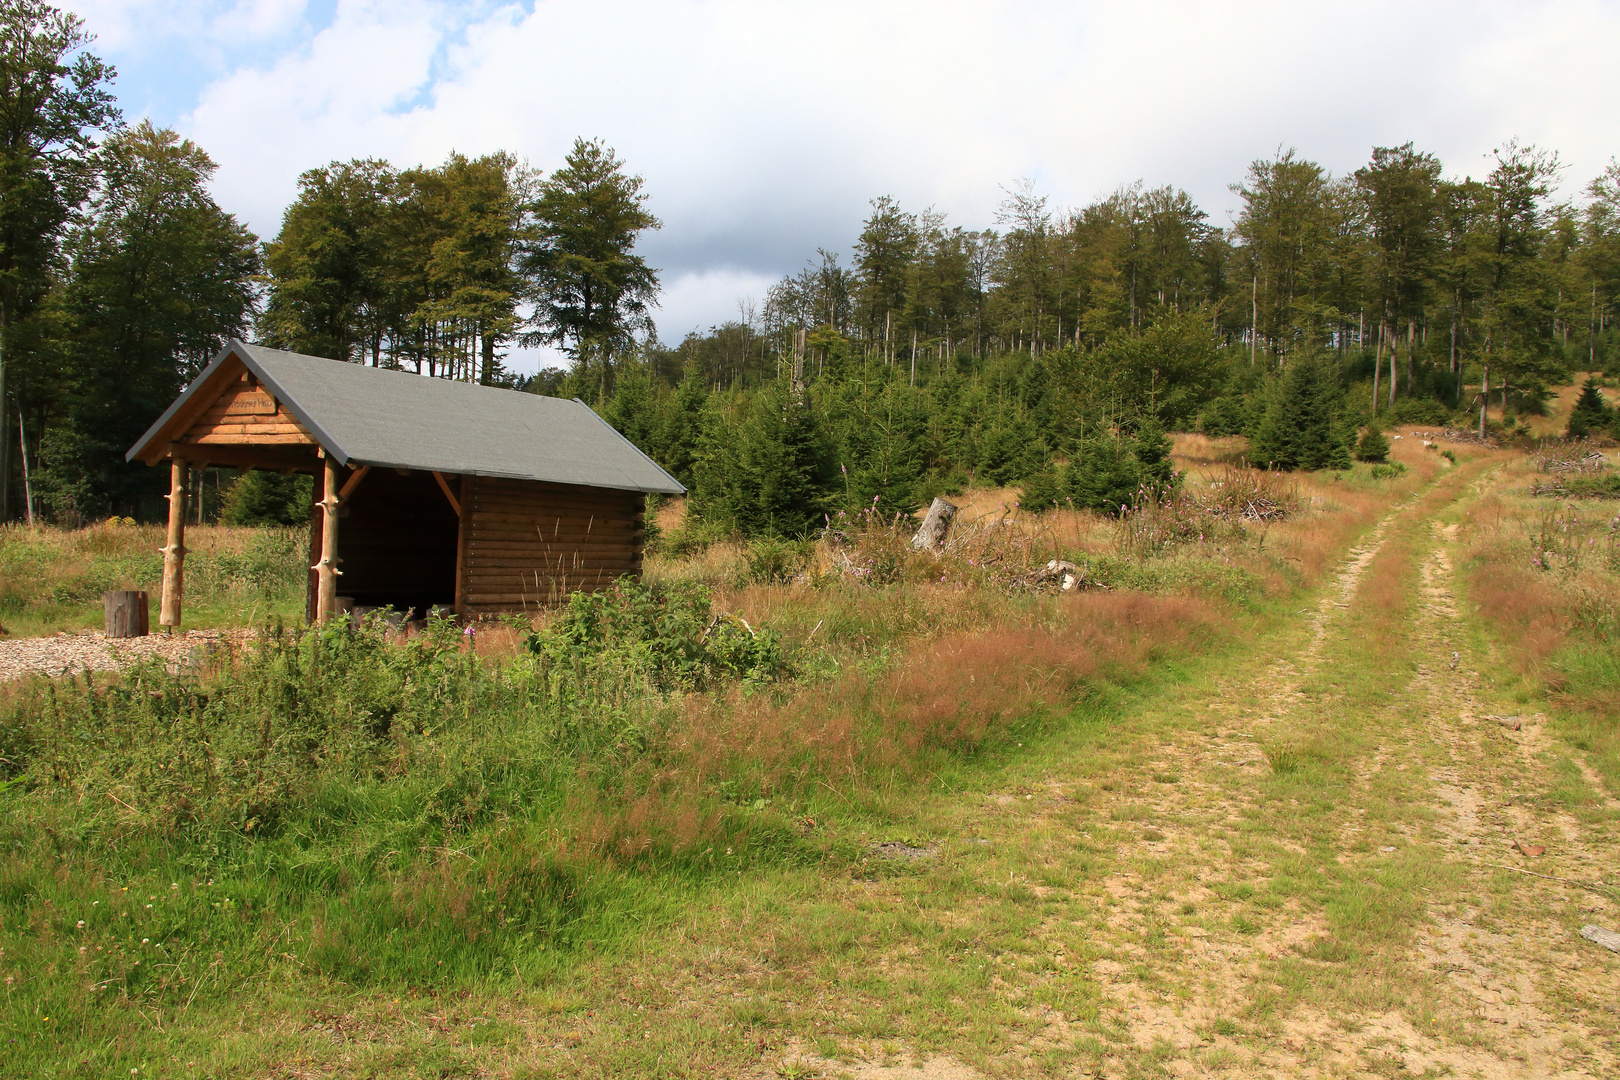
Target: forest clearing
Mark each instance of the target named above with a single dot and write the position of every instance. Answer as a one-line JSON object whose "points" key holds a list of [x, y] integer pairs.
{"points": [[938, 577], [1254, 810]]}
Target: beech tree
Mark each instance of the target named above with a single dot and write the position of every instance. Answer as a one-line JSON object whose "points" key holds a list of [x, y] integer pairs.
{"points": [[161, 278], [55, 98]]}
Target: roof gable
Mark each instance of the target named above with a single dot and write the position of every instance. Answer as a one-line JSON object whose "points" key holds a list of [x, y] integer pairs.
{"points": [[372, 416]]}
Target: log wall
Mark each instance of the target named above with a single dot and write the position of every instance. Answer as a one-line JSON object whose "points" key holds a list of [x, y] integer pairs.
{"points": [[529, 544]]}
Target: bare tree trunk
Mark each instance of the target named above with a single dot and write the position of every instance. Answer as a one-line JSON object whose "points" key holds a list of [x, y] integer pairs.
{"points": [[1455, 301], [1411, 351], [5, 463], [1254, 318], [22, 454], [1394, 368], [326, 569], [174, 548], [1378, 364], [1484, 398]]}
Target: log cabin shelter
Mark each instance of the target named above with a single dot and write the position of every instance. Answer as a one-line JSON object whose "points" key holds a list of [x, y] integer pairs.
{"points": [[428, 493]]}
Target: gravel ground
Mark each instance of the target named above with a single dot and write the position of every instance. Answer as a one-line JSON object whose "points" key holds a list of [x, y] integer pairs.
{"points": [[92, 650]]}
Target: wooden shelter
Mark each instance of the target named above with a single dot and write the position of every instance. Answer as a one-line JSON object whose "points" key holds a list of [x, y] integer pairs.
{"points": [[428, 493]]}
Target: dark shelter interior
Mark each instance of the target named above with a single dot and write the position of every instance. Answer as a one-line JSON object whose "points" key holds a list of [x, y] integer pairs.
{"points": [[397, 543]]}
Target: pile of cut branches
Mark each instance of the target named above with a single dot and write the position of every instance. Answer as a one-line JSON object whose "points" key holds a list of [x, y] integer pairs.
{"points": [[1560, 456], [1249, 494], [1467, 435]]}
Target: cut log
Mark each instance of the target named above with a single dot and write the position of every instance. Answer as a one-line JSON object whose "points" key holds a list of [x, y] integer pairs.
{"points": [[936, 526], [126, 613], [1598, 935], [1059, 573]]}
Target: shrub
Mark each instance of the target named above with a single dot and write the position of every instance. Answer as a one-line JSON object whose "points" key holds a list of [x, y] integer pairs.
{"points": [[666, 631], [774, 562]]}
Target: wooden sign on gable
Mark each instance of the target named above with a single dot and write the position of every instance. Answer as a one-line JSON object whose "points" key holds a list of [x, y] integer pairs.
{"points": [[254, 402]]}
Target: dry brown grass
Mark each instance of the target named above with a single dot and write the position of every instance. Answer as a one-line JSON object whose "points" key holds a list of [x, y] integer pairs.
{"points": [[1192, 450], [868, 729]]}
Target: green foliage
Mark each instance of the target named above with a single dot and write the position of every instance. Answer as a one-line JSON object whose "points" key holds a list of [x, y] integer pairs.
{"points": [[1105, 475], [1171, 370], [1387, 470], [258, 497], [1044, 489], [1301, 429], [666, 632], [162, 278], [1590, 412], [1372, 446], [772, 561], [1154, 470], [770, 472], [591, 292]]}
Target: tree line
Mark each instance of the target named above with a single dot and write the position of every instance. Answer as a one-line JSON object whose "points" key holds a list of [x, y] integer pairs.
{"points": [[121, 277], [932, 356]]}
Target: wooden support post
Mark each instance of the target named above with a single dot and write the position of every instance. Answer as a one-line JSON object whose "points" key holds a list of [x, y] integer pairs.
{"points": [[326, 570], [174, 551], [444, 486], [352, 482], [463, 531]]}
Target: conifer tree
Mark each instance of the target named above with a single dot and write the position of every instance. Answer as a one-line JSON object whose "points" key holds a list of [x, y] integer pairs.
{"points": [[771, 474], [1043, 489], [1301, 427], [1591, 412], [1105, 477], [1372, 446], [1154, 470]]}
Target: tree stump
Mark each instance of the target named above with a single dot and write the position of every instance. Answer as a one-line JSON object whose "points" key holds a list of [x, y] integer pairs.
{"points": [[935, 527], [125, 610]]}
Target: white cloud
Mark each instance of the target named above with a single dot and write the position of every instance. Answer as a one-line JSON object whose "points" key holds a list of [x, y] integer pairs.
{"points": [[763, 129]]}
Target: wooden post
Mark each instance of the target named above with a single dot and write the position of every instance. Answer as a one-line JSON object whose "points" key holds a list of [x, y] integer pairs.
{"points": [[326, 569], [174, 551], [125, 612], [312, 589], [464, 511]]}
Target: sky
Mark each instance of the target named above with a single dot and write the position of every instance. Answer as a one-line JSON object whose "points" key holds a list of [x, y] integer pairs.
{"points": [[763, 129]]}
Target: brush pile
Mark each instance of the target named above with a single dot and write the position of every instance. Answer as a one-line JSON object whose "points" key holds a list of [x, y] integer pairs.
{"points": [[1467, 435], [1559, 456], [1250, 495]]}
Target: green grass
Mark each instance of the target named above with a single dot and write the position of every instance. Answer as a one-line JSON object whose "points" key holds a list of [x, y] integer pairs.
{"points": [[446, 873], [53, 579]]}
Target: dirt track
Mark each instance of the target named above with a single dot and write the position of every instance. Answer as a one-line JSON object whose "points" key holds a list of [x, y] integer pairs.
{"points": [[1311, 870]]}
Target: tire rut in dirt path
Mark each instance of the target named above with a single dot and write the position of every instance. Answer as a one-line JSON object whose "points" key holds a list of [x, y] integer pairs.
{"points": [[1516, 956], [1507, 989]]}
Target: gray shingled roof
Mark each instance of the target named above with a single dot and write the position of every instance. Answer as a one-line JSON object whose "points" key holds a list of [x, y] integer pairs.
{"points": [[394, 419]]}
